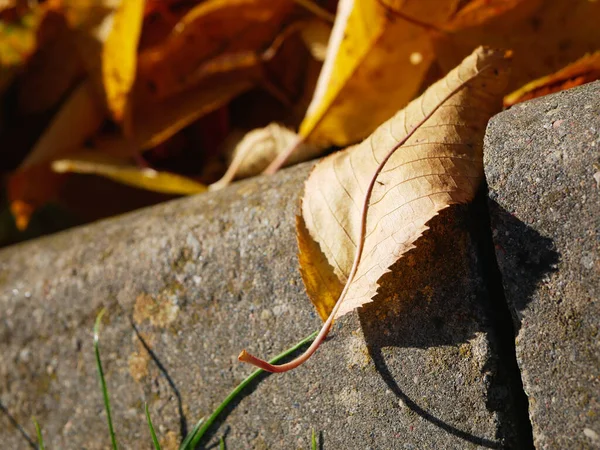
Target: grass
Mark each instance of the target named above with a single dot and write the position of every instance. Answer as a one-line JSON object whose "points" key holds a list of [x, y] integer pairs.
{"points": [[38, 431], [152, 432], [195, 436], [111, 430]]}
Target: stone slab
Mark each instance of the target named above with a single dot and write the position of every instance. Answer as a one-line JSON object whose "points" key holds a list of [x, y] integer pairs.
{"points": [[542, 164], [206, 276]]}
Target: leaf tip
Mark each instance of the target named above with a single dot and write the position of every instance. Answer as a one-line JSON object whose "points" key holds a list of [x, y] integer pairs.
{"points": [[244, 356], [22, 212]]}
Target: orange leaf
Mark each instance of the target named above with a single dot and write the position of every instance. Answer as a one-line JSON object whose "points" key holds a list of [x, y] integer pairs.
{"points": [[582, 71], [215, 30]]}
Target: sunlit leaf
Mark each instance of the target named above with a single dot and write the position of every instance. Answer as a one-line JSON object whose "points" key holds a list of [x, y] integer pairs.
{"points": [[117, 170]]}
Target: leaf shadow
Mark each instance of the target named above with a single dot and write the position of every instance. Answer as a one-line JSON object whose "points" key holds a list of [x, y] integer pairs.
{"points": [[437, 295], [524, 260]]}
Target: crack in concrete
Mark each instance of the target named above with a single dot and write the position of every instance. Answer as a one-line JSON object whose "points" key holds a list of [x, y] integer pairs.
{"points": [[501, 324]]}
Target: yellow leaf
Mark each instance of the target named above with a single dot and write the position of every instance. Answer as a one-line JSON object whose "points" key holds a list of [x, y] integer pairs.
{"points": [[91, 22], [117, 170], [155, 122], [582, 71], [319, 280], [374, 59], [119, 55], [366, 206]]}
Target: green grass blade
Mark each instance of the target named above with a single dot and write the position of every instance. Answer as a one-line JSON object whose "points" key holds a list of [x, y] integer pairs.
{"points": [[205, 426], [102, 380], [186, 442], [38, 431], [151, 426], [313, 440], [221, 444]]}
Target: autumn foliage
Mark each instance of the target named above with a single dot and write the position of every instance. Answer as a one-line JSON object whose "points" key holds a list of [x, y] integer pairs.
{"points": [[111, 105], [159, 95]]}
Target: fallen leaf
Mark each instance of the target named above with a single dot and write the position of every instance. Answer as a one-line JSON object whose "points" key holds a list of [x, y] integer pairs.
{"points": [[476, 12], [118, 170], [154, 119], [366, 206], [119, 55], [255, 151], [365, 39], [544, 35], [91, 23], [418, 38], [154, 122], [214, 36], [582, 71], [439, 165]]}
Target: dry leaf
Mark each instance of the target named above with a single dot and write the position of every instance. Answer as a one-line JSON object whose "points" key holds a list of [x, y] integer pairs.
{"points": [[367, 205], [118, 170], [439, 165], [119, 55], [217, 33], [255, 151], [91, 22], [421, 38], [476, 12], [544, 35], [582, 71], [155, 122]]}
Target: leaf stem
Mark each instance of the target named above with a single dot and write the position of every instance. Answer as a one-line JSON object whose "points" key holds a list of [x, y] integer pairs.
{"points": [[206, 424], [245, 356], [317, 10], [282, 157]]}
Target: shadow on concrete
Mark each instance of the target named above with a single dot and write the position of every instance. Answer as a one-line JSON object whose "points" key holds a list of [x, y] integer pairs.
{"points": [[526, 260], [233, 404], [183, 428], [439, 295]]}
